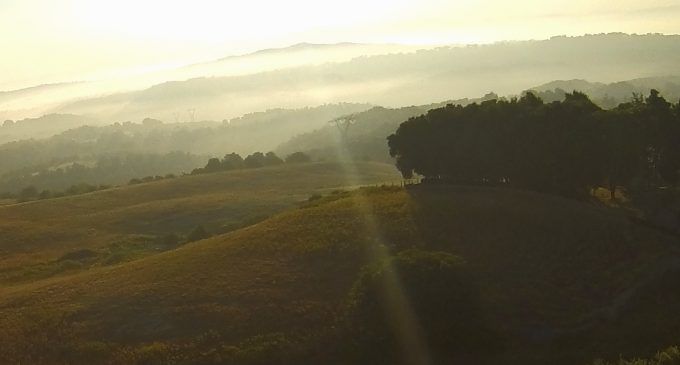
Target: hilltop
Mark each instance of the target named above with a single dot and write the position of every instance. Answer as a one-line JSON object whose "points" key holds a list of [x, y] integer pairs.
{"points": [[558, 281]]}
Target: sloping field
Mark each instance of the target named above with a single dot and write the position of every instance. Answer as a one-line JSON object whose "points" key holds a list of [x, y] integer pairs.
{"points": [[41, 232], [556, 281]]}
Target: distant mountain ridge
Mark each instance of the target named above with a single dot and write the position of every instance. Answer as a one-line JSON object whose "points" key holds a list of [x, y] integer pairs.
{"points": [[6, 93], [399, 79], [43, 99], [295, 47]]}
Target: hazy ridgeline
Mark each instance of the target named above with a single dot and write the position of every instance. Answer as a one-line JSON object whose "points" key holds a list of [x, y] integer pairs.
{"points": [[106, 154], [403, 79], [116, 153], [392, 80]]}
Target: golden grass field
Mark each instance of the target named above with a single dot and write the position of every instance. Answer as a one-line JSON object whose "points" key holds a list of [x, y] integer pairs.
{"points": [[36, 234], [545, 266]]}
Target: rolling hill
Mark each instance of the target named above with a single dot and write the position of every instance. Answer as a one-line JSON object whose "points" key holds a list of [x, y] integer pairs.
{"points": [[37, 100], [398, 79], [558, 281], [130, 220]]}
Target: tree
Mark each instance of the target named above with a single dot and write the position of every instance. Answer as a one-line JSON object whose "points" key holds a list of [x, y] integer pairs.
{"points": [[298, 157], [563, 147], [232, 161], [214, 165], [271, 159], [254, 161]]}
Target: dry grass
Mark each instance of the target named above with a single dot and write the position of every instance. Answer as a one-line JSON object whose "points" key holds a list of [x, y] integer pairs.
{"points": [[40, 232], [541, 262]]}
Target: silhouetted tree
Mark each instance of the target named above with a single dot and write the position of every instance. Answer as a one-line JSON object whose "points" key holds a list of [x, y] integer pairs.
{"points": [[232, 161], [564, 147], [298, 157], [213, 165], [255, 160], [271, 159]]}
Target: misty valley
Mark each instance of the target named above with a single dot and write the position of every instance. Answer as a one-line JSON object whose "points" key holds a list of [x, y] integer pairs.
{"points": [[505, 202]]}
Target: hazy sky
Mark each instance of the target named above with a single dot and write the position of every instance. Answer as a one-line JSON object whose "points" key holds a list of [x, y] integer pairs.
{"points": [[45, 41]]}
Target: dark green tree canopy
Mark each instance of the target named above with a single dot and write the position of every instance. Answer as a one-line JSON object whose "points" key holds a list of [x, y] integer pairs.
{"points": [[563, 147]]}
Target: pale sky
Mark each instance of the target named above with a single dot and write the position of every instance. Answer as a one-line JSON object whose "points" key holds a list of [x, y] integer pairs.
{"points": [[44, 41]]}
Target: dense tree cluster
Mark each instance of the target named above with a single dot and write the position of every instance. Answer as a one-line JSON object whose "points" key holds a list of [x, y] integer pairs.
{"points": [[234, 161], [563, 147], [32, 193]]}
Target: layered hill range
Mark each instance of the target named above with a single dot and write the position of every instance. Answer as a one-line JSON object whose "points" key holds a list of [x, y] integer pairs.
{"points": [[387, 75], [116, 153]]}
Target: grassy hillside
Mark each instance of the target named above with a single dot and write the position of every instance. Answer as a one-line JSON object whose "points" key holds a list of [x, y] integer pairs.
{"points": [[131, 219], [556, 279]]}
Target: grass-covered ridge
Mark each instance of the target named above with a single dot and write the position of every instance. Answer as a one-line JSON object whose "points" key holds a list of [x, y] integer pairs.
{"points": [[41, 232], [555, 279]]}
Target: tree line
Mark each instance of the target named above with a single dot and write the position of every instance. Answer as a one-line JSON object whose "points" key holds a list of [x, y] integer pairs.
{"points": [[564, 147], [108, 169], [234, 161]]}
